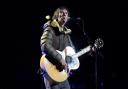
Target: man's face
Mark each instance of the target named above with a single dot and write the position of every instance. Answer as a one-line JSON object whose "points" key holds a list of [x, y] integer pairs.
{"points": [[63, 16]]}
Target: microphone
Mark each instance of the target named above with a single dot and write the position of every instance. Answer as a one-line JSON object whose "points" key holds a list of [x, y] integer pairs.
{"points": [[78, 18], [74, 18]]}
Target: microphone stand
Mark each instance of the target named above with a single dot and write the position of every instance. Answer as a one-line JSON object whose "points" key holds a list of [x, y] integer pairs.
{"points": [[96, 54], [83, 27], [96, 76]]}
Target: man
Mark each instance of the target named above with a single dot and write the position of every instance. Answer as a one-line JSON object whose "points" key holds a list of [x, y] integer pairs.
{"points": [[56, 37]]}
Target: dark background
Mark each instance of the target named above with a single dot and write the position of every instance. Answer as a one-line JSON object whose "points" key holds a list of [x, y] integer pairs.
{"points": [[20, 43]]}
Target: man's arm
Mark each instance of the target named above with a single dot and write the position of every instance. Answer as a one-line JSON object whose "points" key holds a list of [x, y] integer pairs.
{"points": [[46, 46]]}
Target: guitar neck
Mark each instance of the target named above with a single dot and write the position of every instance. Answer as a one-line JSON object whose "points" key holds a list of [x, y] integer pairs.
{"points": [[83, 51]]}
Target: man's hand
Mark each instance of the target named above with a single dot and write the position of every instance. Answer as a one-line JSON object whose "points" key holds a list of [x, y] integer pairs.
{"points": [[92, 51], [63, 66]]}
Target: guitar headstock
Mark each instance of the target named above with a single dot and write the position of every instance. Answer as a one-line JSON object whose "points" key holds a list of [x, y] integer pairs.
{"points": [[98, 43]]}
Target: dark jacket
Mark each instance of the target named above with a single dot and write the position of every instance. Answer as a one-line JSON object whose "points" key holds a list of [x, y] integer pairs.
{"points": [[52, 39]]}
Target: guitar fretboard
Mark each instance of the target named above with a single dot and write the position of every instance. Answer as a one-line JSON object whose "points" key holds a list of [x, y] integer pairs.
{"points": [[83, 51]]}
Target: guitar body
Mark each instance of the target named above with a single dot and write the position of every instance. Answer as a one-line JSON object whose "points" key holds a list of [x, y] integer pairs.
{"points": [[54, 73]]}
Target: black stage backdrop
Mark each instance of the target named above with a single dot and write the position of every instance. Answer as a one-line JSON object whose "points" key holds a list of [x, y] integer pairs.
{"points": [[20, 43]]}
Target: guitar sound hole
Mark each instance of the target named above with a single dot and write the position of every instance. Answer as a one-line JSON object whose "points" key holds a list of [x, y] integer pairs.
{"points": [[68, 59]]}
